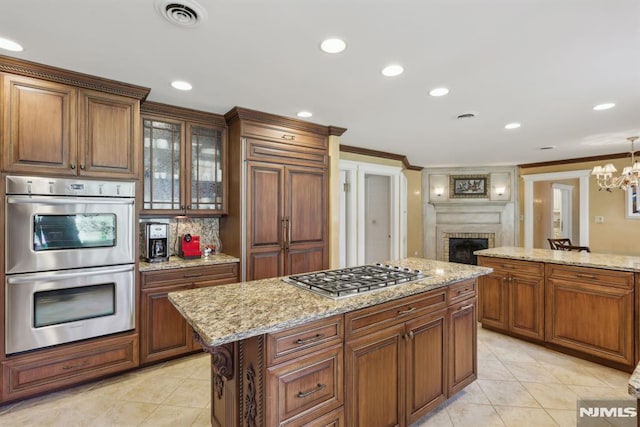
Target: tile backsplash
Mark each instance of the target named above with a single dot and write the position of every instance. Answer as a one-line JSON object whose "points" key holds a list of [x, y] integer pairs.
{"points": [[206, 228]]}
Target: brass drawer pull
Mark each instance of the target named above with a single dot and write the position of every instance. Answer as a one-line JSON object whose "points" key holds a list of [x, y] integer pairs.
{"points": [[464, 290], [407, 311], [288, 137], [315, 338], [586, 276], [466, 307], [315, 390], [511, 267]]}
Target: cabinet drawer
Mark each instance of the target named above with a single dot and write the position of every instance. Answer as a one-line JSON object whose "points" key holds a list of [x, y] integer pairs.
{"points": [[618, 279], [332, 419], [217, 274], [51, 369], [296, 342], [287, 135], [283, 153], [512, 265], [305, 387], [460, 291], [370, 319]]}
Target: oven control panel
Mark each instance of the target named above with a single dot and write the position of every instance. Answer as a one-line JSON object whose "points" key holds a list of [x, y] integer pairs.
{"points": [[42, 186]]}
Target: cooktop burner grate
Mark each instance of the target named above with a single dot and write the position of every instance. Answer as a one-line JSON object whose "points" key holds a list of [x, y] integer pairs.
{"points": [[354, 280]]}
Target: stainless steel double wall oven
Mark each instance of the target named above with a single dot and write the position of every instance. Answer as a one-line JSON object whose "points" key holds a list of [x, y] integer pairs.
{"points": [[69, 260]]}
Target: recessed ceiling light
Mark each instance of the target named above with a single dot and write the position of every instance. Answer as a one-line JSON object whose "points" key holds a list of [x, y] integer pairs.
{"points": [[392, 70], [333, 45], [304, 114], [181, 85], [439, 91], [7, 44], [604, 106], [512, 126]]}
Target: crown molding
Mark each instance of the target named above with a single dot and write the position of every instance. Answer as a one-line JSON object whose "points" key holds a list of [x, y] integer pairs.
{"points": [[150, 107], [382, 154]]}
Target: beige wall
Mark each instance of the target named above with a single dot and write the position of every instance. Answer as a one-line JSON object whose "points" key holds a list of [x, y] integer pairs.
{"points": [[617, 235], [414, 199]]}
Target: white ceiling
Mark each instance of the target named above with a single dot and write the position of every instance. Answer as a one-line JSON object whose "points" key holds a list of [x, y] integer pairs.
{"points": [[544, 63]]}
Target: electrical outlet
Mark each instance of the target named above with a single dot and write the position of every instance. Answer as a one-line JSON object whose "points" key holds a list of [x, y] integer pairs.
{"points": [[599, 219]]}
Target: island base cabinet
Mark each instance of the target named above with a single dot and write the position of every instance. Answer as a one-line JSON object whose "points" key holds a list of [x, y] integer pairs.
{"points": [[463, 339], [591, 311]]}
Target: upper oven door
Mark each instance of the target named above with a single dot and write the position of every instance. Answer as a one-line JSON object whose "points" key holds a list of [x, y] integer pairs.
{"points": [[51, 233]]}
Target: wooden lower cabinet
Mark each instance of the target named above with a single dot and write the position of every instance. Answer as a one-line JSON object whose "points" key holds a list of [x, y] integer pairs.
{"points": [[591, 311], [512, 297], [47, 370], [463, 327], [164, 333]]}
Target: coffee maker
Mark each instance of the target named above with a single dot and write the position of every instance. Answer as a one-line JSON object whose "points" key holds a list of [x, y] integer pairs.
{"points": [[189, 247], [156, 242]]}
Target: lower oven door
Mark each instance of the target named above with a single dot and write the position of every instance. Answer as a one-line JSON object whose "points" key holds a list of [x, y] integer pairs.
{"points": [[45, 309]]}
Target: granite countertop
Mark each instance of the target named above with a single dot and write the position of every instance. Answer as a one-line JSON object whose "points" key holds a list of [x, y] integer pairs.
{"points": [[228, 313], [177, 262], [584, 259]]}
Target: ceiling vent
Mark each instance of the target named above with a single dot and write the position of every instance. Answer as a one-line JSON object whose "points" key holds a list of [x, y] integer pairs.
{"points": [[184, 13]]}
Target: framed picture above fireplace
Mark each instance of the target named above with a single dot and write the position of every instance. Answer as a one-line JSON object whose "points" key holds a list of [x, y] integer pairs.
{"points": [[468, 186]]}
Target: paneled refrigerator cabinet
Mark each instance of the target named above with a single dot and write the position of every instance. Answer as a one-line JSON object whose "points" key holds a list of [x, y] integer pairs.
{"points": [[278, 194]]}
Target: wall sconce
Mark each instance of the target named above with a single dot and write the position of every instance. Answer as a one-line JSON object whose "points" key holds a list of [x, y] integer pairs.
{"points": [[500, 190], [438, 191]]}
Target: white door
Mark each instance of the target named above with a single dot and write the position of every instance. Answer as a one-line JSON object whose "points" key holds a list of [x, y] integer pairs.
{"points": [[377, 218]]}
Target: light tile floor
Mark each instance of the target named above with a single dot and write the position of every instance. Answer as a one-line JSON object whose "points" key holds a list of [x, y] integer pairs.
{"points": [[519, 384]]}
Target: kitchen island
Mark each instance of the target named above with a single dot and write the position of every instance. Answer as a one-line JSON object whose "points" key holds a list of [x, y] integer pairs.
{"points": [[282, 355], [583, 304]]}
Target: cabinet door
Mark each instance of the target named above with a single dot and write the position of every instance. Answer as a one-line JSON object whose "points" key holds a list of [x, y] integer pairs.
{"points": [[306, 219], [375, 384], [39, 126], [593, 319], [265, 221], [492, 291], [108, 137], [463, 363], [163, 331], [426, 353], [206, 170], [526, 306], [162, 165]]}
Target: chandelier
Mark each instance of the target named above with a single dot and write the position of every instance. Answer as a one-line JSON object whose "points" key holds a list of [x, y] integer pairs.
{"points": [[630, 174]]}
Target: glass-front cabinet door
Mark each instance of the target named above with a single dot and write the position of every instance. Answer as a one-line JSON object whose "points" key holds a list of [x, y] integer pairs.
{"points": [[162, 165], [184, 161], [206, 169]]}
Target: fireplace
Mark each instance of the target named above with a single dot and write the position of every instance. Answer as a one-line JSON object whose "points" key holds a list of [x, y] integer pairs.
{"points": [[459, 246], [461, 249]]}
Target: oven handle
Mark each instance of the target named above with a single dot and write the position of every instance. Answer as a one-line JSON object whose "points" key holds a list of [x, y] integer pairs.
{"points": [[54, 276], [63, 200]]}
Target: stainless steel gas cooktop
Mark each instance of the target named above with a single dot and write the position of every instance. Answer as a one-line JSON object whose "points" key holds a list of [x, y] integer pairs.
{"points": [[351, 281]]}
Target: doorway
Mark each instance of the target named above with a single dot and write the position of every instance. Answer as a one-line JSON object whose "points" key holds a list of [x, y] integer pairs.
{"points": [[539, 207], [372, 213]]}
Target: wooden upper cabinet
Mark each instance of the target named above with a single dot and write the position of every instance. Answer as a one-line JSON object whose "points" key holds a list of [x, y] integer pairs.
{"points": [[68, 123], [108, 137], [184, 161], [39, 126]]}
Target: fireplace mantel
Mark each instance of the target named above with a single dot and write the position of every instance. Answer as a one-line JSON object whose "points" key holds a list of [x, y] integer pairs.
{"points": [[495, 216]]}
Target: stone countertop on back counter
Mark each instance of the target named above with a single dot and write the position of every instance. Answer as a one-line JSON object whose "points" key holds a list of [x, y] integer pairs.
{"points": [[228, 313], [583, 259], [177, 262]]}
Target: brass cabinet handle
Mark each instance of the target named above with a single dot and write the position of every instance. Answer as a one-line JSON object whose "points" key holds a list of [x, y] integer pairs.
{"points": [[315, 390], [586, 276], [283, 223], [288, 137], [314, 338], [466, 307], [288, 232], [410, 335], [464, 290], [407, 311], [510, 267], [82, 167], [73, 166]]}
